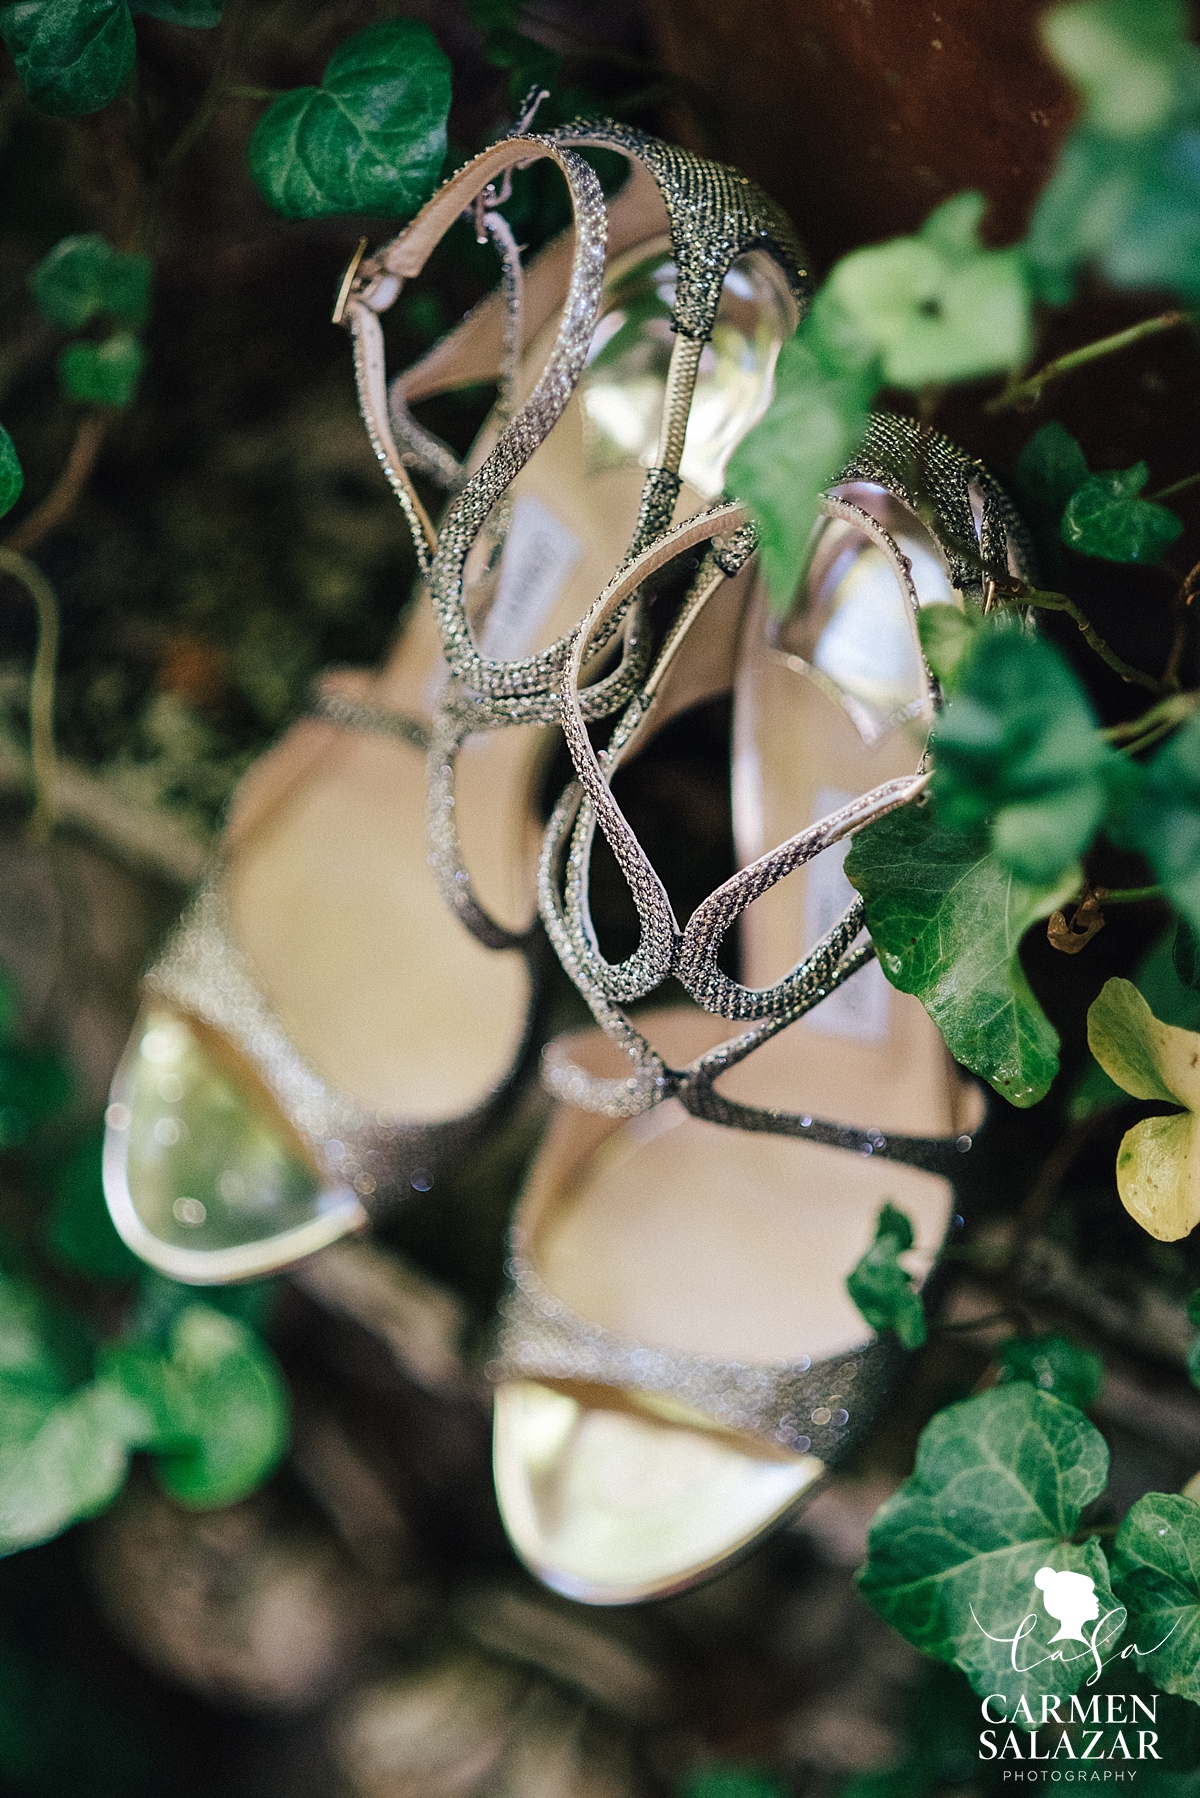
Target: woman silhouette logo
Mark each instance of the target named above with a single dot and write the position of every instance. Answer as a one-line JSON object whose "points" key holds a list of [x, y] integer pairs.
{"points": [[1070, 1598]]}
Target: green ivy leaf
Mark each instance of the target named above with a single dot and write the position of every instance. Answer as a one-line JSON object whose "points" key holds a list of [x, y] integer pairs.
{"points": [[211, 1406], [102, 374], [62, 1442], [1193, 1353], [1106, 518], [730, 1782], [33, 1375], [999, 1487], [1162, 819], [1156, 1575], [201, 15], [947, 921], [1131, 208], [1018, 746], [881, 1288], [83, 276], [1128, 58], [1049, 469], [78, 1230], [1054, 1365], [947, 635], [1185, 959], [937, 307], [1125, 193], [215, 1405], [807, 435], [72, 56], [69, 1467], [239, 1406], [12, 476], [371, 138]]}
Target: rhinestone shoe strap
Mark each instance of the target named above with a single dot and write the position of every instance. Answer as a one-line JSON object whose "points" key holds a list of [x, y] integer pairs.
{"points": [[735, 217], [664, 949], [529, 702], [690, 954], [804, 1405], [359, 714], [458, 715], [421, 448], [945, 489], [921, 468], [891, 444], [379, 279]]}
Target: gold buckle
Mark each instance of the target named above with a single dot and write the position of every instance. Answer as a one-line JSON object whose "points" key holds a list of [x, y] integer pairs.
{"points": [[339, 310]]}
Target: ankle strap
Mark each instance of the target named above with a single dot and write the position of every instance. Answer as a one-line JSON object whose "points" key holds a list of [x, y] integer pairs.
{"points": [[378, 279], [714, 215]]}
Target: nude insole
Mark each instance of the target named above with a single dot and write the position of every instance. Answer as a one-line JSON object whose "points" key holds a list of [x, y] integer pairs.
{"points": [[716, 1242]]}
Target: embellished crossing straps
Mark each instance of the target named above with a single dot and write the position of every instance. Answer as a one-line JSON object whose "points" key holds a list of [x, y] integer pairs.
{"points": [[667, 188], [980, 538]]}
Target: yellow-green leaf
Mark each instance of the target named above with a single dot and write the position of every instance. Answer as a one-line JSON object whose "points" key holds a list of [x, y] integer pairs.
{"points": [[1158, 1162]]}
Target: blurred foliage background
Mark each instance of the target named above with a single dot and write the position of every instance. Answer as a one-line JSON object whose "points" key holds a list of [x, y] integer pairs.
{"points": [[357, 1626]]}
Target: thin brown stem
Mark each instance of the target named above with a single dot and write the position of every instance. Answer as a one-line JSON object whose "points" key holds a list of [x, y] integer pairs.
{"points": [[1022, 395], [1138, 734], [41, 687], [233, 35], [1127, 895], [1179, 637], [691, 94], [61, 499], [115, 136], [233, 93], [1171, 711], [1010, 1314], [1062, 602], [1178, 487], [1044, 1191]]}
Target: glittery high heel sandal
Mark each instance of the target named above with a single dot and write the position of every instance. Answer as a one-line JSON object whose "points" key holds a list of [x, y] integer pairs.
{"points": [[323, 1031], [679, 1361]]}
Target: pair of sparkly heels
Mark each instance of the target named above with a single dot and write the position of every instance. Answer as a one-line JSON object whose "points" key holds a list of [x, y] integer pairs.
{"points": [[339, 1013]]}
